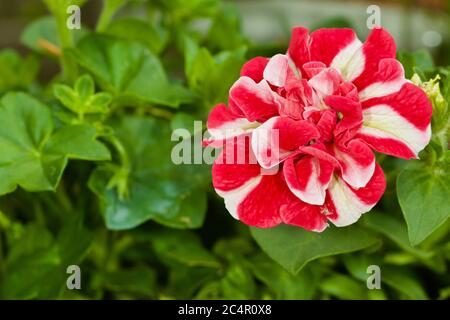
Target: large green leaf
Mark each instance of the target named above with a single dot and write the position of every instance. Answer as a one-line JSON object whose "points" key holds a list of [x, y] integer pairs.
{"points": [[423, 194], [293, 247], [36, 267], [138, 30], [128, 70], [158, 189], [34, 154]]}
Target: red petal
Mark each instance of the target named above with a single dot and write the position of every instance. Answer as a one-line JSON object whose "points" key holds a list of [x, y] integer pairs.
{"points": [[357, 163], [378, 46], [255, 100], [398, 124], [254, 68], [346, 204], [273, 141], [326, 44], [308, 178], [299, 47]]}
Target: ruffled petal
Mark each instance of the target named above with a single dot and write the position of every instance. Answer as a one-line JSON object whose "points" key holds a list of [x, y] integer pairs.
{"points": [[379, 45], [398, 124], [350, 114], [245, 190], [256, 101], [345, 204], [308, 178], [275, 140], [280, 71], [326, 82], [357, 162]]}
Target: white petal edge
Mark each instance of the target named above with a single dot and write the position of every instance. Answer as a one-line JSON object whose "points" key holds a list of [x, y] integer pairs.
{"points": [[234, 197], [382, 121]]}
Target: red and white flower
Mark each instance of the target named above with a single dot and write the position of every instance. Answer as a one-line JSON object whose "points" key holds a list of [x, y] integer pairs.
{"points": [[316, 113]]}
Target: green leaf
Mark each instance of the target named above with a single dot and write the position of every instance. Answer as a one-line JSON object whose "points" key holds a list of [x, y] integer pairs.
{"points": [[285, 285], [180, 10], [421, 59], [343, 287], [140, 31], [82, 98], [129, 71], [225, 32], [237, 284], [16, 72], [293, 247], [401, 279], [140, 281], [394, 230], [404, 281], [34, 155], [158, 189], [37, 269], [212, 76], [180, 247], [42, 29], [423, 195]]}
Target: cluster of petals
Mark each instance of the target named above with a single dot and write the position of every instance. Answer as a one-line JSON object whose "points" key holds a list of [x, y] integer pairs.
{"points": [[322, 109]]}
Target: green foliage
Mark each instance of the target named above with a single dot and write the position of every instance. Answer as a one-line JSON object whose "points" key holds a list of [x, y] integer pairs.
{"points": [[140, 226]]}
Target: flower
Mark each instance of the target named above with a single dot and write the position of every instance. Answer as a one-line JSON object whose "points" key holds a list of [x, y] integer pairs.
{"points": [[315, 114]]}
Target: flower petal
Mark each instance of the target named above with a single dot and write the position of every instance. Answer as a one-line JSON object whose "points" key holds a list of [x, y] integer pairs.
{"points": [[223, 124], [280, 71], [298, 49], [398, 124], [254, 68], [325, 82], [245, 191], [351, 113], [357, 163], [327, 43], [346, 205], [256, 101], [379, 45], [389, 78], [308, 178], [274, 140]]}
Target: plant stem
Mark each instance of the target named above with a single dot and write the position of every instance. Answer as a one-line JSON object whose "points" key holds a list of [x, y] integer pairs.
{"points": [[65, 37]]}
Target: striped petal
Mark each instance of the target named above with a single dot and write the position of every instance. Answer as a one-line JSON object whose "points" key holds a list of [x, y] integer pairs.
{"points": [[339, 49], [345, 204], [398, 124], [357, 162], [245, 191], [256, 101], [389, 79], [278, 137], [308, 178], [298, 49], [223, 124], [280, 71], [379, 45]]}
